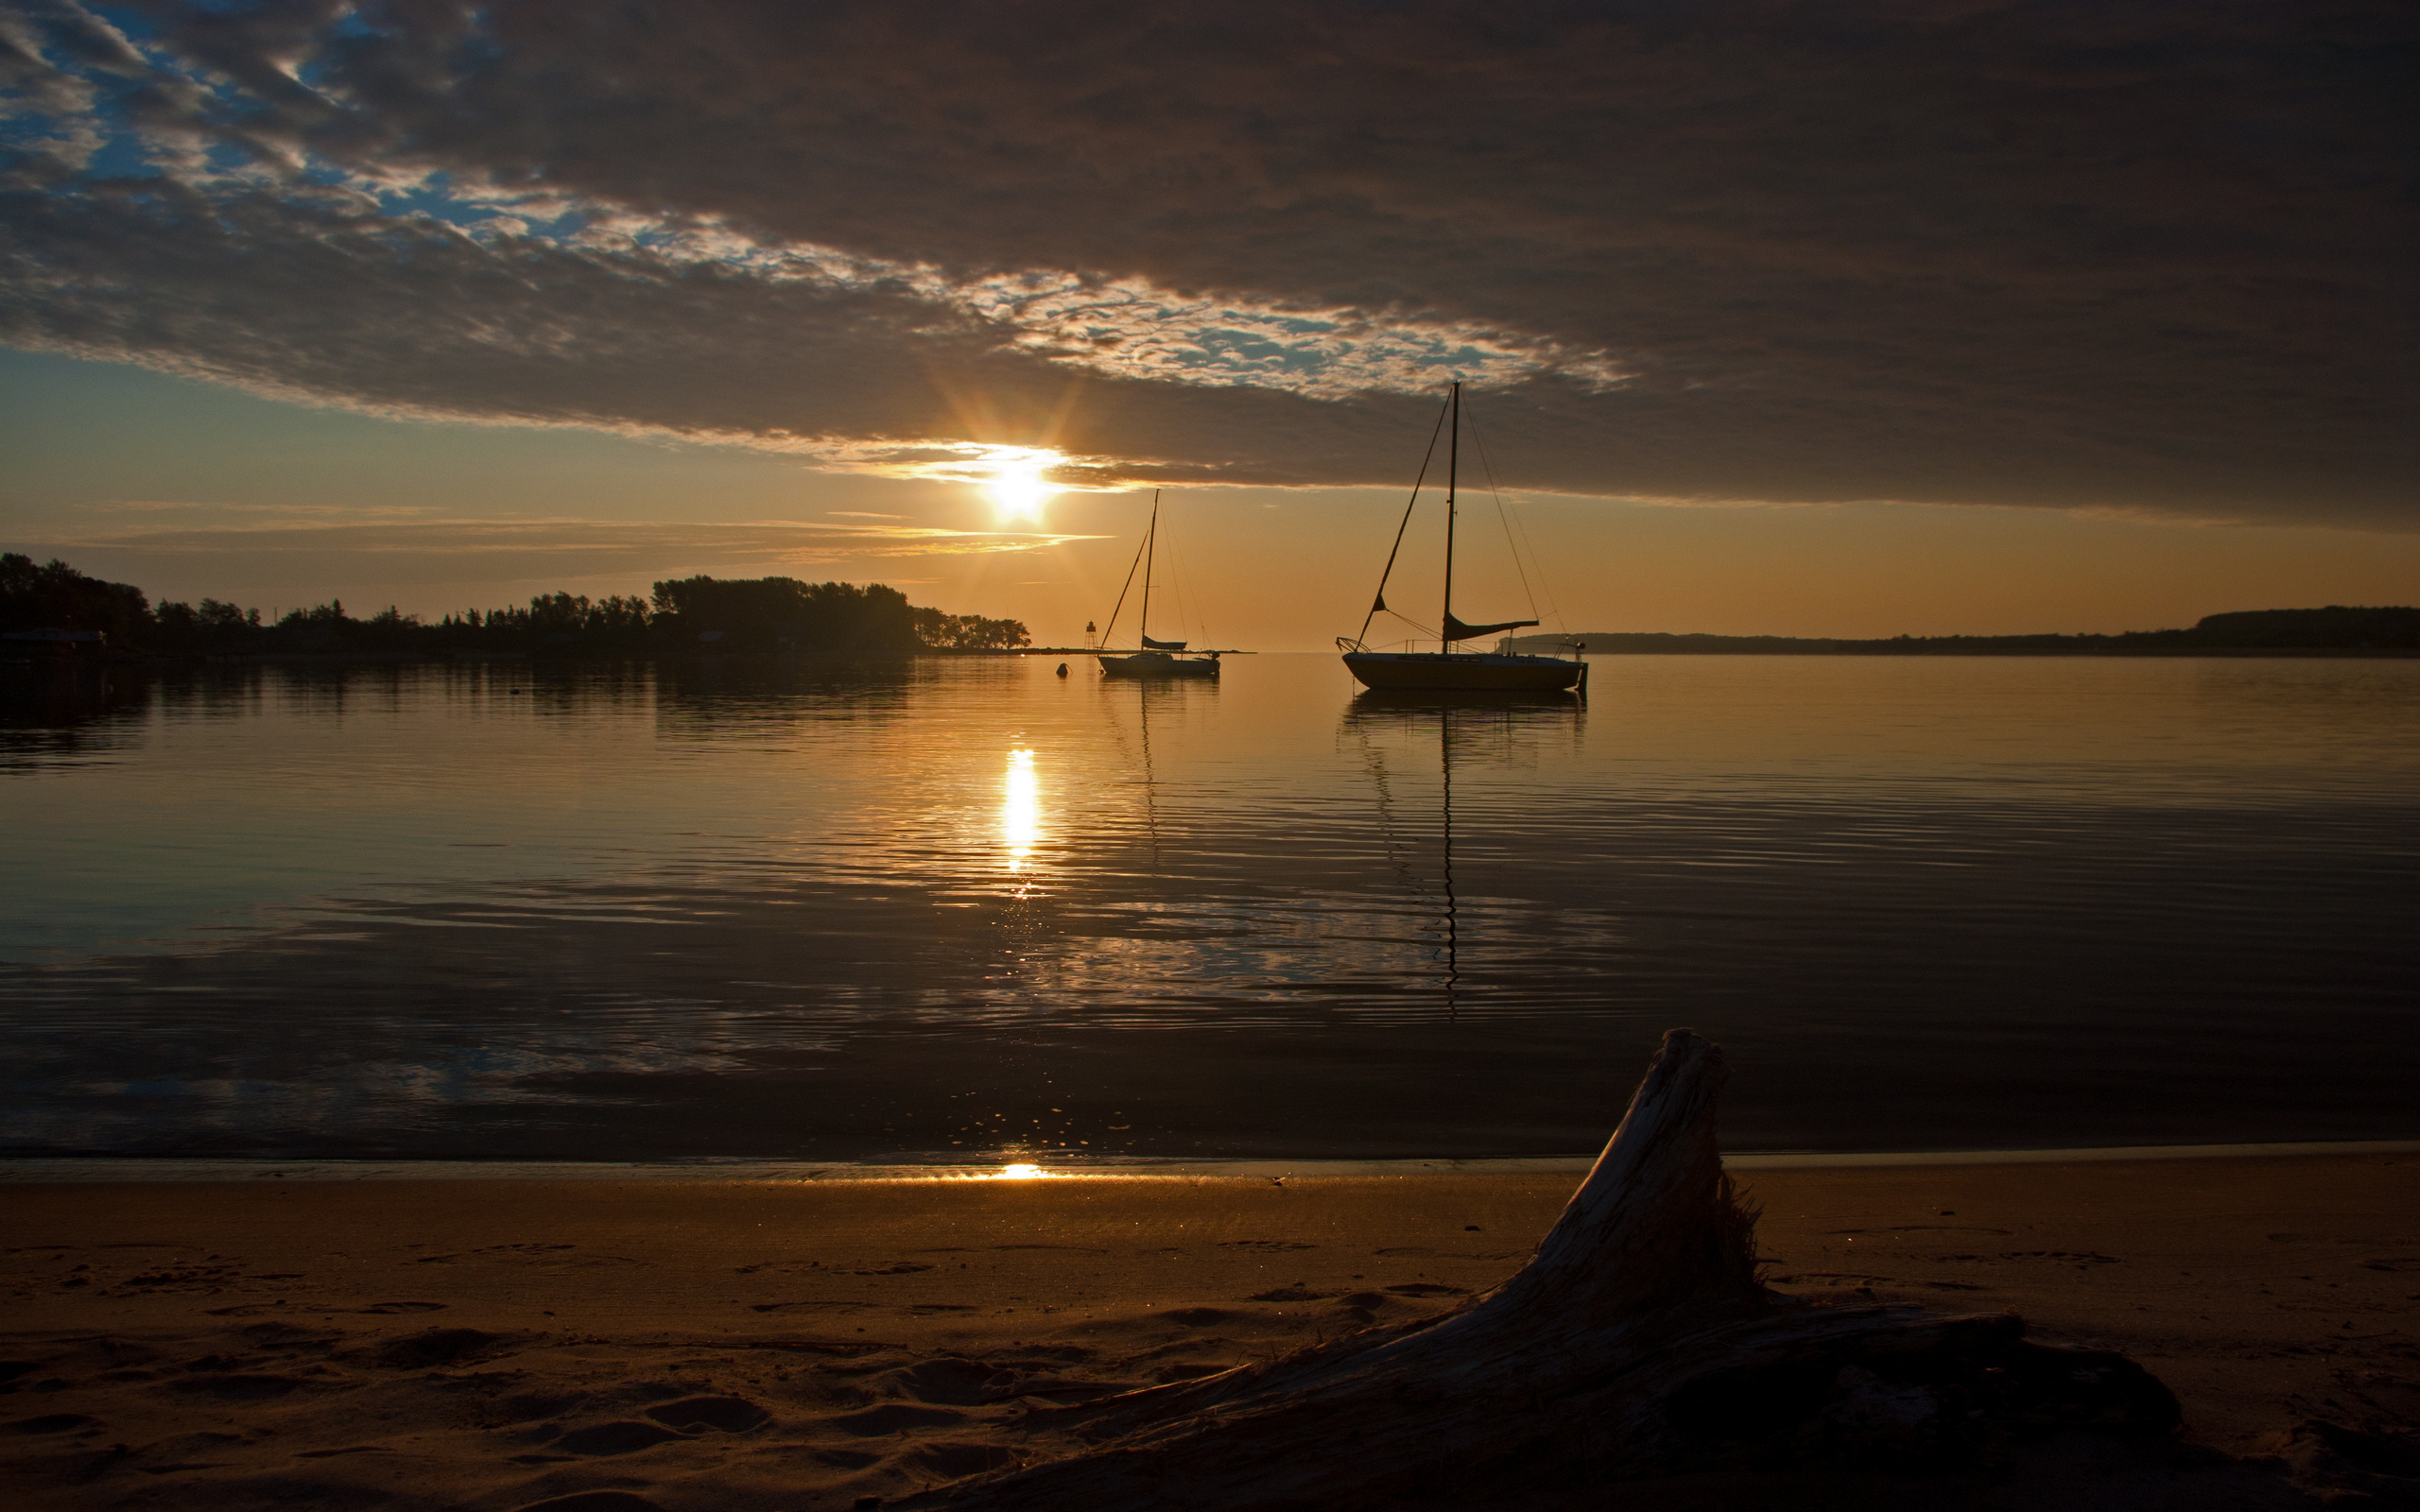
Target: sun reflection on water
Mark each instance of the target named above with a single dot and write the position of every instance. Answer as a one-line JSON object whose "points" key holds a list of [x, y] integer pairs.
{"points": [[1020, 808]]}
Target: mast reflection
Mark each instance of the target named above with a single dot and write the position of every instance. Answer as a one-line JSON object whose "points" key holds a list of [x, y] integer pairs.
{"points": [[1482, 729], [1171, 697]]}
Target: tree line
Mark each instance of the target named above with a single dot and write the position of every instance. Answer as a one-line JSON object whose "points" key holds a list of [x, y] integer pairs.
{"points": [[680, 614]]}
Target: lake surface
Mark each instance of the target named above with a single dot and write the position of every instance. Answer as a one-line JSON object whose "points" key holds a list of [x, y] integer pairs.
{"points": [[967, 910]]}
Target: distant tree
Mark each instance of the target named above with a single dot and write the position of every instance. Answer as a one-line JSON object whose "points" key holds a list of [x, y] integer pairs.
{"points": [[213, 626], [321, 628], [742, 614], [969, 632], [769, 613], [390, 629], [552, 620], [54, 596], [2337, 627], [179, 627]]}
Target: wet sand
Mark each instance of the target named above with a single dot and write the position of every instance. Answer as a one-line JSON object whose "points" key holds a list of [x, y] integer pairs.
{"points": [[492, 1344]]}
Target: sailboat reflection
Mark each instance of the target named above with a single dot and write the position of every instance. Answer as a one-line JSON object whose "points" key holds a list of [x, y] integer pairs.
{"points": [[1169, 699], [1482, 731]]}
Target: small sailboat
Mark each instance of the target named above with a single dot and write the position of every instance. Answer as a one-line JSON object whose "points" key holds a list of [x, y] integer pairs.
{"points": [[1447, 669], [1154, 659]]}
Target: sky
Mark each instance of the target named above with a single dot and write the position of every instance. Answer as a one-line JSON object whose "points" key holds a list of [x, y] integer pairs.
{"points": [[1850, 319]]}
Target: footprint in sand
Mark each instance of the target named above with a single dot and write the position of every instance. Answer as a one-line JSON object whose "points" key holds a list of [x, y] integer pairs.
{"points": [[237, 1388], [892, 1418], [592, 1502], [730, 1415], [954, 1461], [614, 1438], [532, 1406], [950, 1382], [431, 1348]]}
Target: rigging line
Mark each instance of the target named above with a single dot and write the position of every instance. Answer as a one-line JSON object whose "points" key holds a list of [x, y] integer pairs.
{"points": [[1554, 605], [1188, 606], [1121, 595], [1174, 587], [1545, 585], [1426, 457], [1487, 465]]}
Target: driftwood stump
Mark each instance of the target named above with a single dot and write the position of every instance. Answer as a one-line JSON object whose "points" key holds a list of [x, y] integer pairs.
{"points": [[1636, 1342]]}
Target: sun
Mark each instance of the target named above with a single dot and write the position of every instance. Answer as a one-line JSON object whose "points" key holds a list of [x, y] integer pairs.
{"points": [[1017, 487]]}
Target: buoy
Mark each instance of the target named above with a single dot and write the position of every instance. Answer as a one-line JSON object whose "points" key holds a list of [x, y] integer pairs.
{"points": [[1063, 669]]}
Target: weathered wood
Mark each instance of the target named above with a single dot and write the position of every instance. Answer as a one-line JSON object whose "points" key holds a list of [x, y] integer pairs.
{"points": [[1638, 1341]]}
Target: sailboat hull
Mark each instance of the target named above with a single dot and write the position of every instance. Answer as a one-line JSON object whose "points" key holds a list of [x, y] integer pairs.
{"points": [[1159, 665], [1462, 672]]}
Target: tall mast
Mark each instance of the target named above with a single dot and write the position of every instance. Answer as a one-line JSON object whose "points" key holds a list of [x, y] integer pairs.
{"points": [[1151, 541], [1453, 458]]}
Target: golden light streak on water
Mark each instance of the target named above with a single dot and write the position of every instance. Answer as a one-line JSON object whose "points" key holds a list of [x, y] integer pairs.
{"points": [[1020, 808]]}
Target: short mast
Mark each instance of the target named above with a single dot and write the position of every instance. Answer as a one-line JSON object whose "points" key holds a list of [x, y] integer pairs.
{"points": [[1453, 458]]}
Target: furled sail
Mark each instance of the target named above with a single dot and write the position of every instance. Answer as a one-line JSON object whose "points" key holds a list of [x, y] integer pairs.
{"points": [[1149, 644], [1457, 631]]}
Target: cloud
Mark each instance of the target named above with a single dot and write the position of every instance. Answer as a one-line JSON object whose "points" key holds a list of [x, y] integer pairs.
{"points": [[431, 550], [2149, 259], [335, 512]]}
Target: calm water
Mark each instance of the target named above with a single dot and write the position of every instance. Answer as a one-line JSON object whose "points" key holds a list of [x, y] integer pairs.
{"points": [[968, 910]]}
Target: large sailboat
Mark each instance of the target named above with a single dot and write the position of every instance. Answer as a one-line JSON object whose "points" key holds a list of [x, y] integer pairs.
{"points": [[1447, 669], [1154, 659]]}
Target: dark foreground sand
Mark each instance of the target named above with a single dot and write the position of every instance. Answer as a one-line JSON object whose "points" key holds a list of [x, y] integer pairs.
{"points": [[489, 1345]]}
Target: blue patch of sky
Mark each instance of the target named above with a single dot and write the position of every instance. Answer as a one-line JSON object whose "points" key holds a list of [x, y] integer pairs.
{"points": [[121, 157], [124, 154], [1258, 351], [355, 26], [136, 26]]}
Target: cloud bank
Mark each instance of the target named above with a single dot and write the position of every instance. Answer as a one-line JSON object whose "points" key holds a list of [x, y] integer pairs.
{"points": [[2149, 259], [278, 546]]}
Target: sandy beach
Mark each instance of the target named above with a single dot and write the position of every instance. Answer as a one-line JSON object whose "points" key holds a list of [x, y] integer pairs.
{"points": [[498, 1345]]}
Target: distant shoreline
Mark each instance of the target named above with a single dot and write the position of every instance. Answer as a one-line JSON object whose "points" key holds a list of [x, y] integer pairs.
{"points": [[36, 1169], [1886, 648], [1800, 648], [2336, 631]]}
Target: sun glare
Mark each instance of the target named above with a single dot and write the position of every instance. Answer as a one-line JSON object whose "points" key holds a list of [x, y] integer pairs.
{"points": [[1017, 485]]}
